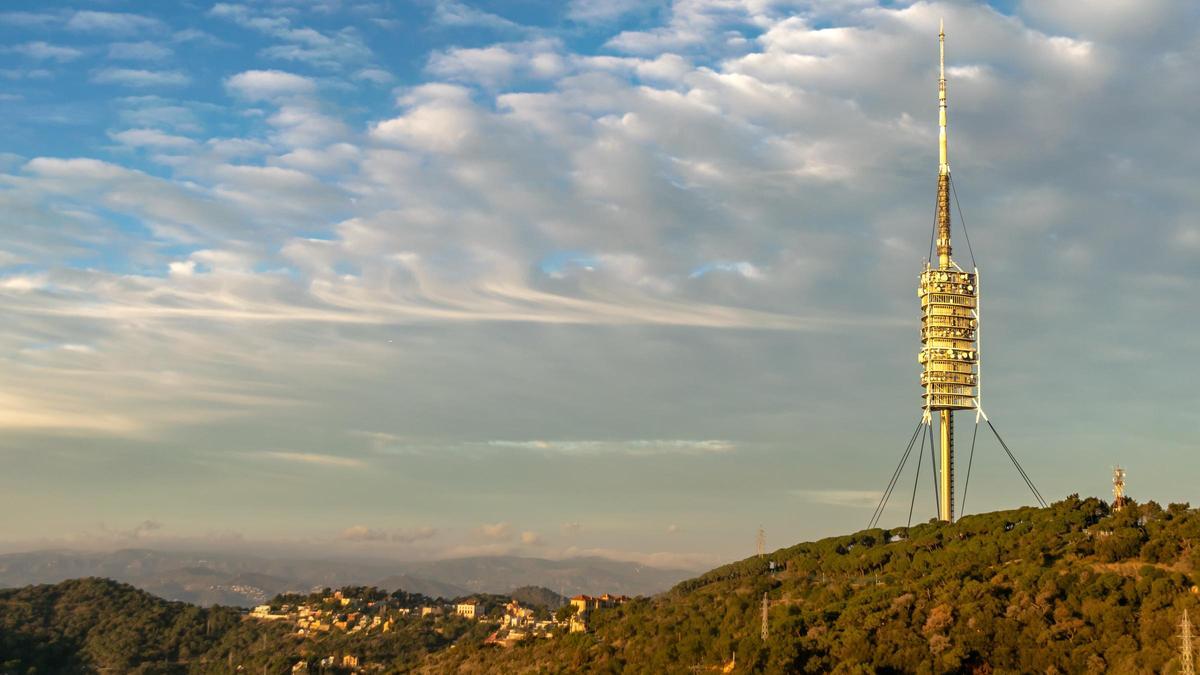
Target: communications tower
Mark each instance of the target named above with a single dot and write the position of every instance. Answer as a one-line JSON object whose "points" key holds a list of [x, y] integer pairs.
{"points": [[949, 355], [949, 319], [1118, 488], [1185, 645]]}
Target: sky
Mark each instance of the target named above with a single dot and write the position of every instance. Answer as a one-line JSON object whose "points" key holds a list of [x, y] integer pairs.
{"points": [[431, 278]]}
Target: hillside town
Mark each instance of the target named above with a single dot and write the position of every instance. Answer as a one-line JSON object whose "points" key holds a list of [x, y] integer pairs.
{"points": [[370, 611]]}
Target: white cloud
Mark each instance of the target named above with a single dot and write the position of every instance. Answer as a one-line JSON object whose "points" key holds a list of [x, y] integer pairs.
{"points": [[332, 50], [258, 85], [112, 23], [43, 51], [362, 533], [334, 158], [375, 76], [29, 19], [500, 530], [152, 138], [458, 14], [305, 126], [138, 51], [134, 77], [498, 64], [633, 447], [589, 11], [314, 459], [22, 283], [667, 559], [26, 73], [861, 499]]}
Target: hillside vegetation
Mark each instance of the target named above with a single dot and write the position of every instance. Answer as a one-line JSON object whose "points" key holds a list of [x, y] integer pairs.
{"points": [[1071, 588], [98, 625]]}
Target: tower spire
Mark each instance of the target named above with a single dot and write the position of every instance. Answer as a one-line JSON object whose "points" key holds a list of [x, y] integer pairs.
{"points": [[943, 193], [943, 155]]}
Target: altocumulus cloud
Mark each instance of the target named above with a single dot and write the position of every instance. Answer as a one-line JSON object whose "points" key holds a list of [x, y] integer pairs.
{"points": [[693, 236]]}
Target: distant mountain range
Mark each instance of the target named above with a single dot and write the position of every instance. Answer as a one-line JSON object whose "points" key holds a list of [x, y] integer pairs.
{"points": [[244, 580]]}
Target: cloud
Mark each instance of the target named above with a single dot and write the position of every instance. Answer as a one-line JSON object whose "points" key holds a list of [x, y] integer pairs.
{"points": [[530, 538], [152, 138], [666, 559], [631, 448], [333, 50], [112, 23], [600, 11], [144, 528], [138, 51], [138, 78], [26, 73], [29, 19], [499, 531], [43, 51], [721, 211], [314, 458], [452, 13], [861, 499], [363, 533], [258, 85], [572, 528], [375, 76], [498, 64]]}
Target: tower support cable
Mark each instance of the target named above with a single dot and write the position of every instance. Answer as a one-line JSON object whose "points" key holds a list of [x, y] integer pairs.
{"points": [[970, 461], [916, 480], [1020, 469], [887, 493], [937, 502], [963, 222]]}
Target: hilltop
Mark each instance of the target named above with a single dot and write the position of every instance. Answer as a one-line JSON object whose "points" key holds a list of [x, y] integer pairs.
{"points": [[1069, 588]]}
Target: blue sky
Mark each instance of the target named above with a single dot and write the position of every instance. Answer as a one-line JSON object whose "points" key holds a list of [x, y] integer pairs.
{"points": [[420, 279]]}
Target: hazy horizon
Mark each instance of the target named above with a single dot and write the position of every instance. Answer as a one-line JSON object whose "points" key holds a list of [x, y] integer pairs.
{"points": [[431, 279]]}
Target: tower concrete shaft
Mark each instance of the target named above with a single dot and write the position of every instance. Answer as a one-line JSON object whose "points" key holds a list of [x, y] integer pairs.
{"points": [[946, 479]]}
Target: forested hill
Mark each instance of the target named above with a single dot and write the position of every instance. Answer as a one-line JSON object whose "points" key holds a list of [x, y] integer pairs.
{"points": [[1071, 588], [101, 626], [84, 625]]}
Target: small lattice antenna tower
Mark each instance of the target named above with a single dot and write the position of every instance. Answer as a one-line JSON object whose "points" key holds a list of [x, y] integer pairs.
{"points": [[762, 541], [1118, 488], [1185, 645], [764, 617]]}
